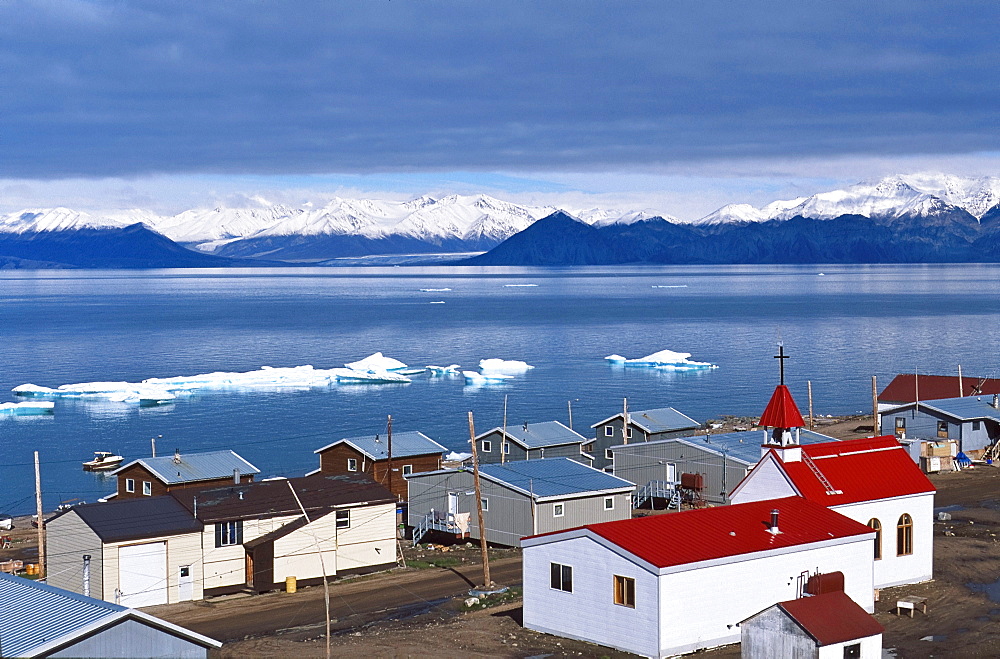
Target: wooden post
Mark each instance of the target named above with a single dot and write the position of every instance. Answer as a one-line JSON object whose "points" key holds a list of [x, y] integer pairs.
{"points": [[41, 520], [322, 566], [503, 436], [388, 433], [809, 384], [569, 404], [152, 441], [961, 390], [876, 421], [624, 420], [487, 582]]}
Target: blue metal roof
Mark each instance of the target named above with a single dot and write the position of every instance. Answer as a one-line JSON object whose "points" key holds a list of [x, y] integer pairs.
{"points": [[541, 435], [34, 614], [964, 409], [404, 444], [742, 446], [661, 419], [553, 477], [188, 467]]}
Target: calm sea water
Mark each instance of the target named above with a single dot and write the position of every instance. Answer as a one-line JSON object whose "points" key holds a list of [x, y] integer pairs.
{"points": [[840, 328]]}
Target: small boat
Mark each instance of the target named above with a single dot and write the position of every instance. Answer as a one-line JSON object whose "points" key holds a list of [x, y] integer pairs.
{"points": [[103, 460]]}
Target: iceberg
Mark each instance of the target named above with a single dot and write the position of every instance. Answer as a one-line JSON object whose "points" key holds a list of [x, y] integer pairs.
{"points": [[667, 360], [503, 366], [349, 375], [474, 378], [443, 370], [455, 456], [376, 362], [29, 408]]}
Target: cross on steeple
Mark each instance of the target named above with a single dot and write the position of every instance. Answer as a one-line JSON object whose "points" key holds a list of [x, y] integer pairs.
{"points": [[781, 357]]}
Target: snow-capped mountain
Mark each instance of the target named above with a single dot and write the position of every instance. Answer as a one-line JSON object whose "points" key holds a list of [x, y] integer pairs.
{"points": [[914, 195], [601, 217], [63, 219]]}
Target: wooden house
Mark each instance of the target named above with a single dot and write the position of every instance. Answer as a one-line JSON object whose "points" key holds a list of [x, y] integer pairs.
{"points": [[972, 421], [412, 452], [40, 620], [644, 426], [153, 477], [669, 584], [519, 498], [531, 441]]}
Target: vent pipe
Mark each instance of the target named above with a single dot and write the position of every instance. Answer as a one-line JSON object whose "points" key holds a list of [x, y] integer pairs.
{"points": [[996, 401], [177, 456], [236, 476], [774, 523], [86, 575]]}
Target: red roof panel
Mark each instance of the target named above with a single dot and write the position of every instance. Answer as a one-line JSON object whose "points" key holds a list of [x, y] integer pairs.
{"points": [[857, 470], [904, 389], [781, 410], [832, 618], [692, 536]]}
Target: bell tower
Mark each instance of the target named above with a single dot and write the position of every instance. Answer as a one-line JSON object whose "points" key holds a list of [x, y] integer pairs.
{"points": [[781, 419]]}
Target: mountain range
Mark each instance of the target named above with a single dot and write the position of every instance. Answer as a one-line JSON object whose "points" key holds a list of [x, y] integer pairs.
{"points": [[911, 218]]}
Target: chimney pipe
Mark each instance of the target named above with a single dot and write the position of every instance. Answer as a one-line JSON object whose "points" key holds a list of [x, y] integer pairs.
{"points": [[774, 522], [996, 401], [236, 476], [177, 456], [86, 575]]}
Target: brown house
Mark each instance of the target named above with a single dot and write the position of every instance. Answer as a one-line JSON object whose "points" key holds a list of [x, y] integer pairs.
{"points": [[412, 453], [153, 477]]}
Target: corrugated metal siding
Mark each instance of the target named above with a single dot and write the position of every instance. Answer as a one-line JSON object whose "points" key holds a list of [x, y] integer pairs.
{"points": [[578, 512], [131, 638], [67, 539], [644, 462]]}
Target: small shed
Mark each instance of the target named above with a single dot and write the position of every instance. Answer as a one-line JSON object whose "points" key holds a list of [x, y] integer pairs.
{"points": [[153, 477], [40, 620], [644, 426], [723, 460], [532, 441], [519, 499], [827, 626], [412, 452]]}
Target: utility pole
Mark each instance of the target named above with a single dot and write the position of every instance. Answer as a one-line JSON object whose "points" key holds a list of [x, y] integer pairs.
{"points": [[319, 550], [487, 582], [388, 433], [809, 384], [961, 390], [624, 420], [503, 438], [876, 421], [569, 403], [41, 520], [152, 441]]}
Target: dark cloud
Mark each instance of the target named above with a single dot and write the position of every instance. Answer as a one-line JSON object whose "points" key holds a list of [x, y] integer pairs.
{"points": [[113, 88]]}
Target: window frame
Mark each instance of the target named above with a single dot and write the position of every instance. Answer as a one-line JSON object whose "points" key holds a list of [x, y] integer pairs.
{"points": [[147, 488], [609, 503], [486, 446], [130, 485], [352, 464], [229, 533], [609, 454], [609, 431], [506, 448], [485, 505], [559, 510], [628, 433], [976, 425], [904, 535], [407, 470], [342, 519], [561, 577], [624, 591], [942, 429], [876, 525]]}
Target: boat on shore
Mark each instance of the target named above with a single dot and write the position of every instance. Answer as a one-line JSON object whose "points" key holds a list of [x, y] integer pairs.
{"points": [[103, 461]]}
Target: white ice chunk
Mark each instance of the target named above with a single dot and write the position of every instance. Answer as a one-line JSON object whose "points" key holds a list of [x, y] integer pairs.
{"points": [[352, 375], [471, 377], [664, 359], [455, 456], [28, 408], [34, 390], [376, 362], [616, 359], [507, 366], [434, 290], [443, 370]]}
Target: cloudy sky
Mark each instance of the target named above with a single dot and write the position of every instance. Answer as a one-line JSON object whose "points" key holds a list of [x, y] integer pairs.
{"points": [[674, 105]]}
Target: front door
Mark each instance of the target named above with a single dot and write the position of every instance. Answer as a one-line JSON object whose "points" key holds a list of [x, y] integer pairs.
{"points": [[671, 472], [452, 504], [249, 569], [185, 584]]}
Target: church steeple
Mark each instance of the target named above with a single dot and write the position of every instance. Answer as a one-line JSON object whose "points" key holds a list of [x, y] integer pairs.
{"points": [[783, 418]]}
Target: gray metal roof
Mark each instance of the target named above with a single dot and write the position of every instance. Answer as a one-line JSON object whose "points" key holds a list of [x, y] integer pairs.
{"points": [[662, 419], [553, 477], [741, 446], [540, 435], [404, 444], [188, 467], [119, 520], [967, 408], [37, 619]]}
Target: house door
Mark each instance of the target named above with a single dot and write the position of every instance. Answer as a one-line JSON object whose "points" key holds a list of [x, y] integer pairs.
{"points": [[452, 504], [249, 569], [185, 584], [142, 574], [671, 472]]}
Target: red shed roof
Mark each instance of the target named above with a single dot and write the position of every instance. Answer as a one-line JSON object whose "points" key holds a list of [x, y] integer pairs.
{"points": [[781, 410], [904, 389], [857, 470], [832, 618], [692, 536]]}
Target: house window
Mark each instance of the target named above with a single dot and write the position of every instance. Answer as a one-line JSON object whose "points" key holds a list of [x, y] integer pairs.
{"points": [[407, 470], [130, 485], [609, 454], [625, 591], [609, 431], [352, 464], [343, 519], [561, 577], [486, 505], [900, 425], [942, 429], [852, 651], [876, 526], [147, 488], [904, 535], [558, 510], [506, 448], [487, 446], [228, 533], [609, 503], [628, 432], [975, 425]]}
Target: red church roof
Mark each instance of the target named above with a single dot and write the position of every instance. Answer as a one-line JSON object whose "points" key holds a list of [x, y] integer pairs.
{"points": [[781, 411], [692, 536], [832, 618], [857, 470]]}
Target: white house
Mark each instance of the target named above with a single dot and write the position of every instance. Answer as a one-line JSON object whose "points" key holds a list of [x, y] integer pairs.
{"points": [[674, 583], [873, 481]]}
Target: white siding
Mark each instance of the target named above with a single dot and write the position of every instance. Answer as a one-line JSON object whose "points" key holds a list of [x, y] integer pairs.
{"points": [[765, 481], [895, 570], [226, 566], [183, 549], [589, 612], [371, 539], [871, 648], [295, 554]]}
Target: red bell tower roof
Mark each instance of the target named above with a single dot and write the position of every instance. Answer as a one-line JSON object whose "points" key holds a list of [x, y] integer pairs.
{"points": [[781, 410]]}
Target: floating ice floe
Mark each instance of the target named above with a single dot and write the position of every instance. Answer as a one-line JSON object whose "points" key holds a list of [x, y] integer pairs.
{"points": [[519, 285], [29, 408], [673, 286], [667, 360], [376, 362], [369, 377], [443, 370], [474, 378], [434, 290], [455, 456], [503, 366]]}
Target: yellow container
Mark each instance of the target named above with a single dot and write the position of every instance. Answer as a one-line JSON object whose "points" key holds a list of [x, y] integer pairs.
{"points": [[31, 568], [290, 584]]}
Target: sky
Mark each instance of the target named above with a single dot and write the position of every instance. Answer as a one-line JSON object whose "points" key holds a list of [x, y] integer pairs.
{"points": [[672, 105]]}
